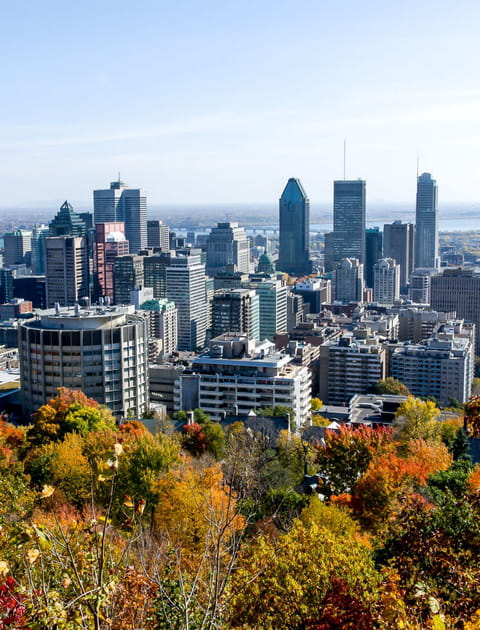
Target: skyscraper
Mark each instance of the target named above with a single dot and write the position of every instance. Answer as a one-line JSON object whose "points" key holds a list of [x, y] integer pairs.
{"points": [[186, 287], [373, 253], [294, 230], [129, 205], [158, 235], [398, 243], [17, 248], [236, 310], [67, 222], [349, 215], [227, 248], [66, 270], [426, 218], [110, 242]]}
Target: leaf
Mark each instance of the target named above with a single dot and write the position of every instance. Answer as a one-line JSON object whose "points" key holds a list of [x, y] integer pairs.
{"points": [[32, 555], [47, 491]]}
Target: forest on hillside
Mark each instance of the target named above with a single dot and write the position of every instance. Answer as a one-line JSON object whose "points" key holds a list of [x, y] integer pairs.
{"points": [[113, 527]]}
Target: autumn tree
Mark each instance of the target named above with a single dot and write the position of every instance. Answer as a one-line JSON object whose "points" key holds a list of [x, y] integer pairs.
{"points": [[416, 418], [70, 411], [291, 575], [347, 453]]}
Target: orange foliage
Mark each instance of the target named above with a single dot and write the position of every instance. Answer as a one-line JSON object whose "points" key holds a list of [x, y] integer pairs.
{"points": [[473, 480], [194, 505], [10, 435], [131, 429], [428, 458], [133, 603]]}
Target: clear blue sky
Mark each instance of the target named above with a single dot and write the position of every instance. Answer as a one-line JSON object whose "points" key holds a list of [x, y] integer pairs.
{"points": [[220, 101]]}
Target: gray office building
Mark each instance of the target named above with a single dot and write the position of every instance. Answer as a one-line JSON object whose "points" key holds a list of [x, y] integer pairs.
{"points": [[426, 219], [398, 243], [349, 215], [294, 230]]}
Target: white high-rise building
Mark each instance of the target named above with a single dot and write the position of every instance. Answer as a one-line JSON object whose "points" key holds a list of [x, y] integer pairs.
{"points": [[386, 281], [348, 281], [186, 287], [121, 203], [272, 307]]}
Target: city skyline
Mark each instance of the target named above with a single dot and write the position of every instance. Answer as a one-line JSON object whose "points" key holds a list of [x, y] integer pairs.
{"points": [[244, 96]]}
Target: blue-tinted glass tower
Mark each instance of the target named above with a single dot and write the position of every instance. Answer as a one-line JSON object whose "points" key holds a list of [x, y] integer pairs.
{"points": [[349, 216], [426, 219], [294, 230]]}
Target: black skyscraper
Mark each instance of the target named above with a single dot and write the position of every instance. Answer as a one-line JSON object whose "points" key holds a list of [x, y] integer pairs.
{"points": [[294, 230]]}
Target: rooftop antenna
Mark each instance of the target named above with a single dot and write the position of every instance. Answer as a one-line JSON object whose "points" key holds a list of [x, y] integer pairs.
{"points": [[344, 158], [119, 180], [418, 162]]}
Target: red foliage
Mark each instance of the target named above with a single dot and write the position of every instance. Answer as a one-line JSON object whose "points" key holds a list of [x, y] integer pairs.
{"points": [[12, 611], [194, 440], [341, 610]]}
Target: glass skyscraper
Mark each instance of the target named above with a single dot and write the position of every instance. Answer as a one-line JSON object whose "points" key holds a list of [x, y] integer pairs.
{"points": [[349, 219], [426, 219], [128, 205], [294, 230]]}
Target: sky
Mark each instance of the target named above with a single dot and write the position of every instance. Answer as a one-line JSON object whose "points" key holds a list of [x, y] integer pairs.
{"points": [[222, 101]]}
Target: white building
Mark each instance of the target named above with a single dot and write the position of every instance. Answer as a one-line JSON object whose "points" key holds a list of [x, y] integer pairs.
{"points": [[238, 375], [441, 367], [386, 281], [186, 287], [348, 281], [101, 351], [163, 323]]}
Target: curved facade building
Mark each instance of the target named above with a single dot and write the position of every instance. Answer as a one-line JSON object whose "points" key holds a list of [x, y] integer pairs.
{"points": [[102, 351]]}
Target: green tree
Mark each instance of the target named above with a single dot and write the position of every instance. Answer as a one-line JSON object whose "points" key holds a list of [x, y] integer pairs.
{"points": [[391, 385]]}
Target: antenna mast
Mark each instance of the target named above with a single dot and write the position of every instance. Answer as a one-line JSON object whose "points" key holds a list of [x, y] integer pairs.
{"points": [[418, 162], [344, 158]]}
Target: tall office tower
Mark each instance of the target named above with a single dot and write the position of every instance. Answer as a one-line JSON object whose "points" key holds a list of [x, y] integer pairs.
{"points": [[38, 248], [67, 222], [458, 290], [129, 205], [227, 248], [294, 243], [373, 252], [17, 248], [110, 242], [155, 273], [135, 216], [426, 219], [398, 243], [186, 287], [386, 281], [102, 352], [127, 275], [349, 215], [236, 310], [158, 235], [328, 251], [6, 285], [273, 308], [66, 272], [348, 281]]}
